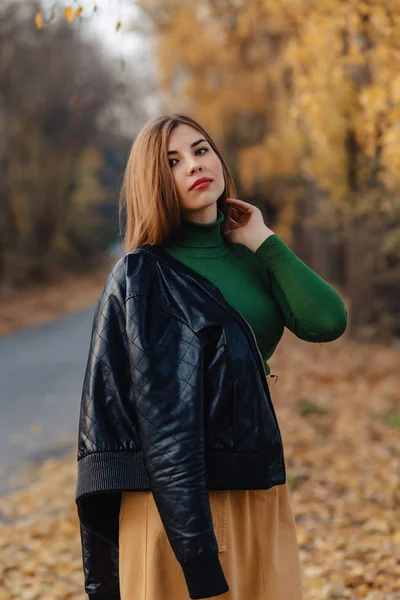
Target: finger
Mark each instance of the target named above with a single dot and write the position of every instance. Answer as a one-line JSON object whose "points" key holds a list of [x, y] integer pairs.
{"points": [[240, 203], [239, 211], [236, 212], [235, 224]]}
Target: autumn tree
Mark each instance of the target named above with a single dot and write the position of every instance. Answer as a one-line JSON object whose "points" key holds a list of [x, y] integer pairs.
{"points": [[58, 101], [304, 100]]}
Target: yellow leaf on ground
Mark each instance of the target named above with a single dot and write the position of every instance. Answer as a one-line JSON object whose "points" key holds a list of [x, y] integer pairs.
{"points": [[79, 11]]}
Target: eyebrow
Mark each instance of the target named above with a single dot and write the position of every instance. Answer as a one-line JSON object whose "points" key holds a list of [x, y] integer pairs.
{"points": [[191, 145]]}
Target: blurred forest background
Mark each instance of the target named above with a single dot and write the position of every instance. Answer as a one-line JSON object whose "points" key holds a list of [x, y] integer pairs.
{"points": [[302, 97]]}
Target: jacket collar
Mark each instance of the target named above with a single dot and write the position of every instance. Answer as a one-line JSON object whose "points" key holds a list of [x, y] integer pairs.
{"points": [[160, 254]]}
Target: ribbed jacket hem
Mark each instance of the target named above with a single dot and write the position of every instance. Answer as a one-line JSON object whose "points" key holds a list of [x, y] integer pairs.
{"points": [[105, 596], [205, 578], [126, 471]]}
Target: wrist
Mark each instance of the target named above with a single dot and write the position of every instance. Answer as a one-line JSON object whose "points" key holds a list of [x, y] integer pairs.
{"points": [[259, 238]]}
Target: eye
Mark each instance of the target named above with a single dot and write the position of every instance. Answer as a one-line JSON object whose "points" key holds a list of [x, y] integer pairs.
{"points": [[202, 148], [198, 150]]}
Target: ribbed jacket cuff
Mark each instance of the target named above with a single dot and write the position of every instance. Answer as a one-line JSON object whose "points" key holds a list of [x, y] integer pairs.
{"points": [[205, 578], [274, 252], [105, 596]]}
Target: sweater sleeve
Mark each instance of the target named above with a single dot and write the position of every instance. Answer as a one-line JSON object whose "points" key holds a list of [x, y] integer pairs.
{"points": [[312, 308]]}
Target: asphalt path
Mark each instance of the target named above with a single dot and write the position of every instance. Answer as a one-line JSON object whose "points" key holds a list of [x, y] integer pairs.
{"points": [[41, 377]]}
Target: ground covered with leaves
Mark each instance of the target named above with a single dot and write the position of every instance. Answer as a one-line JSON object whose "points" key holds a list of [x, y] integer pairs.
{"points": [[338, 406]]}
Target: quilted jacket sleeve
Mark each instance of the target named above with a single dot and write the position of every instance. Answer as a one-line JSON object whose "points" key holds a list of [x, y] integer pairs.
{"points": [[100, 566], [167, 374]]}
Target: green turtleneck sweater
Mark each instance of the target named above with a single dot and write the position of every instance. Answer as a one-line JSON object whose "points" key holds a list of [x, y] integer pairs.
{"points": [[271, 287]]}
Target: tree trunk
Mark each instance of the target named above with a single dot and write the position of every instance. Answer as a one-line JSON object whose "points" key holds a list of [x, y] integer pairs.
{"points": [[362, 257]]}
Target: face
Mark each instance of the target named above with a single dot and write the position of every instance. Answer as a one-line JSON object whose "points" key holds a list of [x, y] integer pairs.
{"points": [[191, 157]]}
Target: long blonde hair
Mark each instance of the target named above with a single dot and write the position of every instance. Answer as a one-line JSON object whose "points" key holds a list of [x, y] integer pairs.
{"points": [[148, 195]]}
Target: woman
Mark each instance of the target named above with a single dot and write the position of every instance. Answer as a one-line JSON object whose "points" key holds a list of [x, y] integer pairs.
{"points": [[182, 487]]}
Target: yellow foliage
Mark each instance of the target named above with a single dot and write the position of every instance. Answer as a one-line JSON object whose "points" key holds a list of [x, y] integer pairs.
{"points": [[395, 90], [227, 63], [39, 20], [79, 11], [69, 13]]}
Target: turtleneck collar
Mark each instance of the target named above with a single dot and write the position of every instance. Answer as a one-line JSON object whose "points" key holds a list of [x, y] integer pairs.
{"points": [[201, 239]]}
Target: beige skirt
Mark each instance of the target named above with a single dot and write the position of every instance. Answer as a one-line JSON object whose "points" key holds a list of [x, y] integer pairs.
{"points": [[256, 535]]}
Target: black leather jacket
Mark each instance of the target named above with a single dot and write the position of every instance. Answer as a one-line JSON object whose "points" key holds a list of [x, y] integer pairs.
{"points": [[175, 400]]}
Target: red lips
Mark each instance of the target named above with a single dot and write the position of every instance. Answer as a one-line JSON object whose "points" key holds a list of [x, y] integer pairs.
{"points": [[198, 181]]}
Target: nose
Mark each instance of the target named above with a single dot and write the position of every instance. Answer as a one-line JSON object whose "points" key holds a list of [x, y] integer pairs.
{"points": [[194, 168]]}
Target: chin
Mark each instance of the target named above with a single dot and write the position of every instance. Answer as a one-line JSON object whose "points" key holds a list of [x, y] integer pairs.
{"points": [[201, 204]]}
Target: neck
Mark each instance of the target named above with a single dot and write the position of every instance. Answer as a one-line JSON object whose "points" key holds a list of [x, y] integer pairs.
{"points": [[205, 216], [201, 239]]}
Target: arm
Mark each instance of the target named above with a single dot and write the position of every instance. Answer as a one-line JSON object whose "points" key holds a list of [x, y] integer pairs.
{"points": [[312, 309], [100, 558], [100, 567], [167, 377]]}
